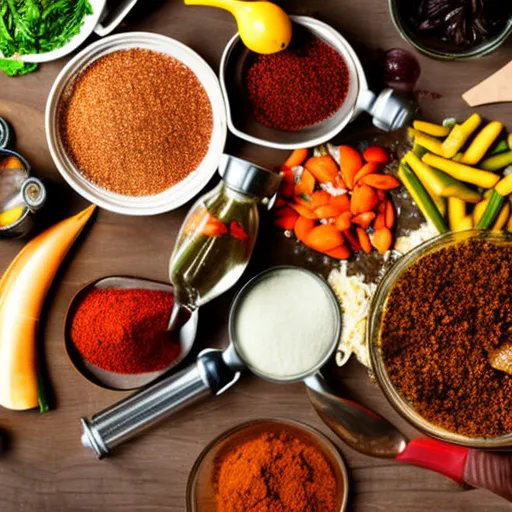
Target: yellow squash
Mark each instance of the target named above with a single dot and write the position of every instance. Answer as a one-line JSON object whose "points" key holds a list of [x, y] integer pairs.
{"points": [[23, 289]]}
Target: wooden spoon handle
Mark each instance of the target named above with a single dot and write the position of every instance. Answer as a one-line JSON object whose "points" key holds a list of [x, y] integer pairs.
{"points": [[490, 471], [494, 89]]}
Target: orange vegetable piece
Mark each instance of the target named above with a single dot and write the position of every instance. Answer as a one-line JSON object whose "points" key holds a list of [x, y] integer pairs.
{"points": [[303, 211], [340, 253], [213, 226], [303, 200], [342, 201], [381, 194], [343, 221], [302, 228], [319, 198], [339, 182], [287, 222], [382, 239], [297, 157], [238, 231], [369, 168], [306, 184], [352, 240], [364, 219], [324, 238], [329, 210], [380, 221], [376, 154], [350, 163], [364, 240], [390, 214], [283, 211], [364, 199], [381, 181], [323, 168]]}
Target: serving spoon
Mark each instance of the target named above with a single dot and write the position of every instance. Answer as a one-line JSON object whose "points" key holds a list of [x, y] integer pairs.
{"points": [[112, 380], [367, 432]]}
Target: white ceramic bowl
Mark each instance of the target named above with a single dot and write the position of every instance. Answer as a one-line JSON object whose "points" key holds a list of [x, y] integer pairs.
{"points": [[91, 24], [180, 193]]}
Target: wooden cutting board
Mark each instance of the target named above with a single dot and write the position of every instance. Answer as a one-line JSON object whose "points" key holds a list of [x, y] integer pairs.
{"points": [[495, 89]]}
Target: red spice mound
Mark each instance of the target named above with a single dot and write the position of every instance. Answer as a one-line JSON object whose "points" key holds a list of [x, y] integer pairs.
{"points": [[125, 331], [298, 87], [137, 122], [275, 473], [443, 317]]}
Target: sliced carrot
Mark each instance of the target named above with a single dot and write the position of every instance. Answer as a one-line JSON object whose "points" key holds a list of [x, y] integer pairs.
{"points": [[364, 199], [303, 200], [283, 211], [343, 221], [342, 201], [364, 240], [306, 184], [380, 221], [238, 231], [329, 210], [382, 239], [303, 212], [376, 154], [319, 198], [297, 157], [369, 168], [381, 181], [323, 168], [364, 219], [286, 222], [302, 228], [339, 182], [279, 202], [324, 238], [352, 240], [390, 214], [340, 253], [350, 163]]}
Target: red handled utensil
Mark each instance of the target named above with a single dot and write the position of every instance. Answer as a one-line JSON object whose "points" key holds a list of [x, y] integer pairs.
{"points": [[369, 433]]}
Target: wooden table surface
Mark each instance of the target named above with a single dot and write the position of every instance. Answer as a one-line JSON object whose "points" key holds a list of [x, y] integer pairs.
{"points": [[43, 466]]}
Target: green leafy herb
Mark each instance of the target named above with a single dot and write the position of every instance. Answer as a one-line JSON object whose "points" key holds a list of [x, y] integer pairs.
{"points": [[37, 26]]}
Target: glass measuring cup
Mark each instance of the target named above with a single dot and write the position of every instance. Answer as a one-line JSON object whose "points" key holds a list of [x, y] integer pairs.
{"points": [[214, 372]]}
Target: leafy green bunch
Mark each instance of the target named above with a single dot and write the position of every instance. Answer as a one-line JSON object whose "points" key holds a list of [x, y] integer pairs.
{"points": [[37, 26]]}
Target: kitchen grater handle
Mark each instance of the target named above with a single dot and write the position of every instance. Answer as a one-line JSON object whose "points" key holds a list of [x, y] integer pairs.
{"points": [[127, 418]]}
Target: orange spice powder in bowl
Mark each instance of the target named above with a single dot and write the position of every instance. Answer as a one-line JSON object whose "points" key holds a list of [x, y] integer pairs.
{"points": [[136, 123]]}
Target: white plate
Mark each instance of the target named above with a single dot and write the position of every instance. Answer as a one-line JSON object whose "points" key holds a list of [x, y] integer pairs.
{"points": [[180, 193]]}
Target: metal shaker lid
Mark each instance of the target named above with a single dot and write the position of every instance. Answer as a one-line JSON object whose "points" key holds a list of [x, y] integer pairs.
{"points": [[5, 133], [33, 193], [248, 178], [390, 112]]}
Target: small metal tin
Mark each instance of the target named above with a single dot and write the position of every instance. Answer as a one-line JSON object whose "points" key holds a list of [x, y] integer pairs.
{"points": [[32, 196], [5, 133]]}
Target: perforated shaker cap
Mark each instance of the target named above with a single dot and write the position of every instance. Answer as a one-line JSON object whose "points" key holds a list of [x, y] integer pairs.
{"points": [[390, 112], [248, 178]]}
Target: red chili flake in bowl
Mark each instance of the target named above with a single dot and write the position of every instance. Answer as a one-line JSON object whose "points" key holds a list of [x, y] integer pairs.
{"points": [[298, 87]]}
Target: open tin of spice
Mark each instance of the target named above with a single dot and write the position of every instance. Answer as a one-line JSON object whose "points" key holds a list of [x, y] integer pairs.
{"points": [[20, 194]]}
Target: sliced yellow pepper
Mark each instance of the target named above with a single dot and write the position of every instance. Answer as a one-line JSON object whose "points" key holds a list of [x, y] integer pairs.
{"points": [[462, 172], [482, 142], [459, 134], [502, 218], [431, 143], [436, 130], [504, 187]]}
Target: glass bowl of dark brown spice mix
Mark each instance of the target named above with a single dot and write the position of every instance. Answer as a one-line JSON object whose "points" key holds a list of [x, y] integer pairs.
{"points": [[439, 334], [136, 123]]}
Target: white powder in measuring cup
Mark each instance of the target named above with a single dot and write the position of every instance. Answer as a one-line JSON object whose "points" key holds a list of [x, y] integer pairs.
{"points": [[286, 324]]}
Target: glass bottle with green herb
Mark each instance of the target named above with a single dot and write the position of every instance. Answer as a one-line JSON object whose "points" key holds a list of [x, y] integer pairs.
{"points": [[218, 235]]}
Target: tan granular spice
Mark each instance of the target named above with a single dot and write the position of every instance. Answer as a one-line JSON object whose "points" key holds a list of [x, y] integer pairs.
{"points": [[444, 316], [137, 122]]}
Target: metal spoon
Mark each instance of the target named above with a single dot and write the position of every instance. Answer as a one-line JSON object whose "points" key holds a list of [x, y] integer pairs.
{"points": [[120, 381], [369, 433]]}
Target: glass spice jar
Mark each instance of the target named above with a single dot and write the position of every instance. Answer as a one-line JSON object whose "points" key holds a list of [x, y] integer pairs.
{"points": [[216, 240]]}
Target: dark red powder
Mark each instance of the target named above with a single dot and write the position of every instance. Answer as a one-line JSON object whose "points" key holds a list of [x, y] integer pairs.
{"points": [[125, 331], [298, 87]]}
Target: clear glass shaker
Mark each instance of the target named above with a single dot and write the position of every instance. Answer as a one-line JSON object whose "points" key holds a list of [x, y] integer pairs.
{"points": [[216, 240]]}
